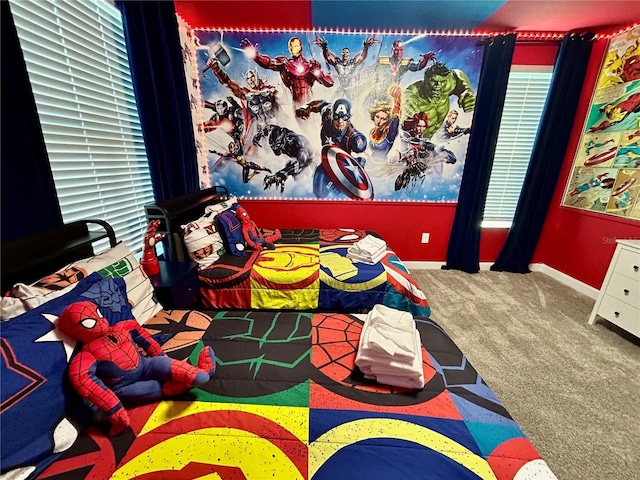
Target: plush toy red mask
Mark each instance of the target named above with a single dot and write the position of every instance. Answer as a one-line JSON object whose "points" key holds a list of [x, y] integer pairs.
{"points": [[253, 235], [109, 366]]}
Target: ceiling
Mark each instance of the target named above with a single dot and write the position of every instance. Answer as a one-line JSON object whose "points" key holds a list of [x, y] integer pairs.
{"points": [[598, 16], [564, 15]]}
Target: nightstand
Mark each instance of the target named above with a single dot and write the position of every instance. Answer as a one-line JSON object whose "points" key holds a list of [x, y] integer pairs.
{"points": [[176, 285], [619, 297]]}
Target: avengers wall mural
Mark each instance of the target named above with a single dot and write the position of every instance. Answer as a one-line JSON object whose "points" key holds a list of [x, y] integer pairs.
{"points": [[327, 115], [606, 171]]}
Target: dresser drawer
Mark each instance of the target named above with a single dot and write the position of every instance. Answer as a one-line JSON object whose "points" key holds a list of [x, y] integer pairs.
{"points": [[628, 264], [625, 289], [620, 313]]}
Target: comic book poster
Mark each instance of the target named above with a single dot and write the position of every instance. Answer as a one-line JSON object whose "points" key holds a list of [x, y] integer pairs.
{"points": [[606, 172], [326, 115]]}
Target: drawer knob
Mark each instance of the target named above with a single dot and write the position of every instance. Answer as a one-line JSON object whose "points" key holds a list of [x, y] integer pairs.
{"points": [[636, 268], [616, 314], [626, 292]]}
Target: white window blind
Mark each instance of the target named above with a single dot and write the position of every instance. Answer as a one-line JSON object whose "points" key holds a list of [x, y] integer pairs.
{"points": [[79, 71], [525, 98]]}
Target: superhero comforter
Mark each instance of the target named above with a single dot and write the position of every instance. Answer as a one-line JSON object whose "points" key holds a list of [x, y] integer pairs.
{"points": [[310, 270], [287, 402]]}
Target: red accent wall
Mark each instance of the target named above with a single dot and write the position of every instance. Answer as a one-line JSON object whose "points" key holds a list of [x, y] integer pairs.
{"points": [[249, 14], [401, 224], [577, 242]]}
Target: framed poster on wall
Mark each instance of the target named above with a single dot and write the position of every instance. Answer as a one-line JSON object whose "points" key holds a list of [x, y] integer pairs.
{"points": [[606, 170], [332, 115]]}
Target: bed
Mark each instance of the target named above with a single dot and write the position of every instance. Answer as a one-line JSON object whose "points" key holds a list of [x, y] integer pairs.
{"points": [[286, 402], [309, 269]]}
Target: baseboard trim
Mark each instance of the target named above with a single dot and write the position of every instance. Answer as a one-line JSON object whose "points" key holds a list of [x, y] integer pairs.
{"points": [[423, 265], [577, 285]]}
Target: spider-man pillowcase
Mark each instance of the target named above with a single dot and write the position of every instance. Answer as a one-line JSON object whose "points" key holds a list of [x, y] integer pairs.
{"points": [[37, 399]]}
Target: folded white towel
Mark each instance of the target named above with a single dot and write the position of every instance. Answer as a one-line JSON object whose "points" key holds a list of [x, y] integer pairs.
{"points": [[382, 314], [383, 364], [387, 364], [389, 331], [365, 258], [414, 384], [395, 343], [370, 244], [367, 252], [390, 349]]}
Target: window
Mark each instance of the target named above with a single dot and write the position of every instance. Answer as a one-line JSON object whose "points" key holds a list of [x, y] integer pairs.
{"points": [[525, 98], [79, 72]]}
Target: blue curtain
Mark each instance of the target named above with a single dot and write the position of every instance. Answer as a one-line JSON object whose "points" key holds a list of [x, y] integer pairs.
{"points": [[153, 46], [463, 252], [548, 154], [29, 199]]}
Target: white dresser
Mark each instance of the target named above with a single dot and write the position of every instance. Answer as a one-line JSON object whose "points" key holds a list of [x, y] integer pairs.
{"points": [[619, 297]]}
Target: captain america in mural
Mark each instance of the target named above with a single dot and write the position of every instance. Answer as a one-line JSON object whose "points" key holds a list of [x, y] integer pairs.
{"points": [[338, 164], [339, 170]]}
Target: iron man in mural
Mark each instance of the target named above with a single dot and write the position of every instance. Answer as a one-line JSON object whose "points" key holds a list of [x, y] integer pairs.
{"points": [[297, 73]]}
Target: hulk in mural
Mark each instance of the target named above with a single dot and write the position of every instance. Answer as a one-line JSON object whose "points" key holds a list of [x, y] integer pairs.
{"points": [[431, 95]]}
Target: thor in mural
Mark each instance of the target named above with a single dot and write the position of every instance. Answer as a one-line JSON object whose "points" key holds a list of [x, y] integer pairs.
{"points": [[283, 79]]}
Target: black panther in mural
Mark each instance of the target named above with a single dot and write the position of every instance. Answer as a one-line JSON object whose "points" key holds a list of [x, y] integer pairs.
{"points": [[284, 141]]}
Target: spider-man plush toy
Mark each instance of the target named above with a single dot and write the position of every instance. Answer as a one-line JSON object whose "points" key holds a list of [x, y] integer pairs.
{"points": [[109, 366], [252, 234]]}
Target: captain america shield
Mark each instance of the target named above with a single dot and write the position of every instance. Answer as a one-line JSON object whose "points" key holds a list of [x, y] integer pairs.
{"points": [[346, 173]]}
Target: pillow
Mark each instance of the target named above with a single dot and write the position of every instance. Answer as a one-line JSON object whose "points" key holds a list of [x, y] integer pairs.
{"points": [[140, 291], [117, 262], [202, 238], [217, 208], [21, 297], [41, 414], [231, 231], [26, 297], [203, 241], [11, 307]]}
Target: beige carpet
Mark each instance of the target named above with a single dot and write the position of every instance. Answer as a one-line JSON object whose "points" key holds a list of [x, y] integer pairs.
{"points": [[573, 388]]}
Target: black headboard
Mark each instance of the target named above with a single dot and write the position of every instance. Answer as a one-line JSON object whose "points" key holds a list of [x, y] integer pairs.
{"points": [[31, 257]]}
